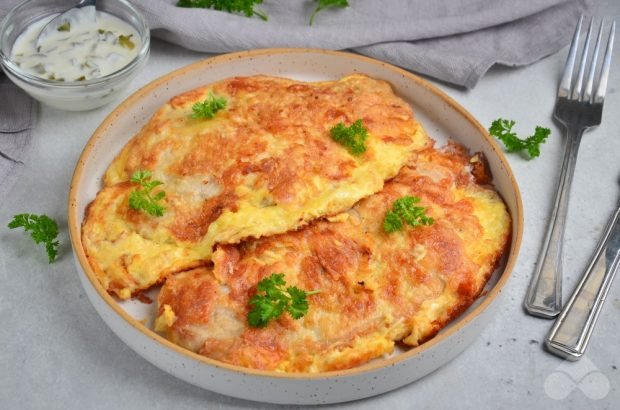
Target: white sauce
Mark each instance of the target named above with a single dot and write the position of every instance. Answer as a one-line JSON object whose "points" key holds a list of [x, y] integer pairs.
{"points": [[89, 44]]}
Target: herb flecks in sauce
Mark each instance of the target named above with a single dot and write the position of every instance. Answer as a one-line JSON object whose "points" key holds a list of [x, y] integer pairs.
{"points": [[125, 41], [64, 27], [92, 45]]}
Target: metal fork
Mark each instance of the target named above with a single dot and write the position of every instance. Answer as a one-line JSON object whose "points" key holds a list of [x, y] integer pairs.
{"points": [[578, 108]]}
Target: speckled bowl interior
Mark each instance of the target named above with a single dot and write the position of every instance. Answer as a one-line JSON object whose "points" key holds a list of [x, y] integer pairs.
{"points": [[442, 117]]}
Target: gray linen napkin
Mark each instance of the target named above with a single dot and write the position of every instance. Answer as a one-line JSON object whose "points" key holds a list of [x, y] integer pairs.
{"points": [[17, 117], [452, 40]]}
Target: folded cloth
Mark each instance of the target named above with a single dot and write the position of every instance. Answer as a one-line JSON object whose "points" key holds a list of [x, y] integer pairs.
{"points": [[451, 40], [17, 117]]}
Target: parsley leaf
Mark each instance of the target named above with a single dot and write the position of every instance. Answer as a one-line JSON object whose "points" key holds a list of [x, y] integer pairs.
{"points": [[326, 4], [352, 137], [66, 26], [231, 6], [392, 222], [142, 199], [502, 130], [42, 228], [209, 107], [404, 210], [272, 299]]}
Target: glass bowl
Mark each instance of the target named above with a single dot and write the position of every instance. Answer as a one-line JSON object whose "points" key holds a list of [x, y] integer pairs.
{"points": [[71, 95]]}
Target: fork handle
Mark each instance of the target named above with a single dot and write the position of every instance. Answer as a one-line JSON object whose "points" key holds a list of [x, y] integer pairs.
{"points": [[571, 332], [544, 296]]}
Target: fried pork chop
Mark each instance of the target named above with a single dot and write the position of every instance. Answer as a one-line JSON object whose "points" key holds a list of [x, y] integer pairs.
{"points": [[266, 164], [376, 288]]}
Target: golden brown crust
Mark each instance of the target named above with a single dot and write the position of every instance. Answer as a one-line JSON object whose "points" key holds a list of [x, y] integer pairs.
{"points": [[375, 288], [264, 165], [480, 169]]}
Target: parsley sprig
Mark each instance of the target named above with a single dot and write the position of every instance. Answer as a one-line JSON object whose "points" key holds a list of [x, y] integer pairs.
{"points": [[142, 199], [502, 130], [42, 228], [352, 137], [231, 6], [209, 107], [273, 299], [326, 4], [404, 211]]}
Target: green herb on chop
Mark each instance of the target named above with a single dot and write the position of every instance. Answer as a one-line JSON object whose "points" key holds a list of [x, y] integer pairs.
{"points": [[404, 211], [209, 107], [273, 298], [142, 199], [352, 137]]}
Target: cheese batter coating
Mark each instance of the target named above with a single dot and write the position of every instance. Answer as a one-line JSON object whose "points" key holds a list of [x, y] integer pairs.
{"points": [[376, 289], [264, 165]]}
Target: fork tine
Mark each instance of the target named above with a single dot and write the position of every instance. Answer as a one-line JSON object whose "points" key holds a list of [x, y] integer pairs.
{"points": [[567, 75], [602, 83], [576, 93], [587, 94]]}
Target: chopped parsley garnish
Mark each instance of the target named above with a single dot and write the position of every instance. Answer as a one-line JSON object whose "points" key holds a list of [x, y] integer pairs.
{"points": [[404, 211], [231, 6], [142, 199], [326, 4], [42, 228], [352, 137], [125, 41], [502, 130], [272, 299], [209, 107], [66, 26]]}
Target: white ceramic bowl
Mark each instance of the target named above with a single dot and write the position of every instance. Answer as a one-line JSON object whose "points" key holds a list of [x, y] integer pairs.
{"points": [[71, 95], [131, 320]]}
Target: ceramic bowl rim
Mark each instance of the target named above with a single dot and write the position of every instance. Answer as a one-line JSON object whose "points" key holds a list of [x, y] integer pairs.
{"points": [[75, 235]]}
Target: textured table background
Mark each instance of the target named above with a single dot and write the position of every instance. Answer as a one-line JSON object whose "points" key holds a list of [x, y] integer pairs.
{"points": [[55, 351]]}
